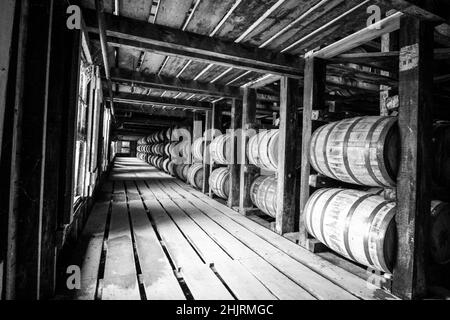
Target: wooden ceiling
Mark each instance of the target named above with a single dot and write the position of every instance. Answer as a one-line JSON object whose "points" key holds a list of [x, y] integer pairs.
{"points": [[291, 27]]}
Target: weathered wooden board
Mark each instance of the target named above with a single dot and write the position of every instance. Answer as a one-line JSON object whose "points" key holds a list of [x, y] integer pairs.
{"points": [[120, 278], [201, 280], [158, 277], [90, 249], [335, 274]]}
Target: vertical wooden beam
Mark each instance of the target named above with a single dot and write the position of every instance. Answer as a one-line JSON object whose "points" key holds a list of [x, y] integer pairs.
{"points": [[28, 160], [7, 13], [248, 171], [236, 153], [414, 178], [9, 19], [197, 129], [287, 141], [71, 90], [313, 99], [100, 8], [389, 42], [206, 155], [216, 127]]}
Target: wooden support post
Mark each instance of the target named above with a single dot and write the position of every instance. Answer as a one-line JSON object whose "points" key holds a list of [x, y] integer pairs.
{"points": [[414, 178], [206, 156], [29, 154], [236, 153], [287, 152], [7, 13], [42, 92], [389, 43], [248, 171], [197, 129], [216, 129], [313, 99]]}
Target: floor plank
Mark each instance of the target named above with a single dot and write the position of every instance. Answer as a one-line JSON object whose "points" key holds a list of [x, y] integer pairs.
{"points": [[201, 280], [159, 279], [345, 279], [90, 247], [217, 253], [120, 279]]}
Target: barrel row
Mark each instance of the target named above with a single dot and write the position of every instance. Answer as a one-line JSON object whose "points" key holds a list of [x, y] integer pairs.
{"points": [[357, 224], [160, 136], [366, 151], [360, 225]]}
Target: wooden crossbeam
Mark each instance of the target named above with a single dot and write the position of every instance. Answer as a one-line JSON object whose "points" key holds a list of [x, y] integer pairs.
{"points": [[387, 25], [363, 57], [125, 32], [434, 10], [178, 84], [148, 110], [174, 84], [131, 98]]}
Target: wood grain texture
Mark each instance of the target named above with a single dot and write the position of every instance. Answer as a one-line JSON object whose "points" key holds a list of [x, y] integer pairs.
{"points": [[414, 178], [143, 36], [289, 139], [313, 98], [236, 153]]}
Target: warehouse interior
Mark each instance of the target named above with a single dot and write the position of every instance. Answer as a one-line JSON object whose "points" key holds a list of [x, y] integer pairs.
{"points": [[224, 150]]}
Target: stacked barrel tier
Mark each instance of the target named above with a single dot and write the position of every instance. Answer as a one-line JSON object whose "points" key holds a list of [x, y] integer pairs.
{"points": [[355, 224], [219, 181], [159, 136], [180, 151], [262, 150], [181, 171], [220, 149], [198, 149], [360, 225], [263, 193], [362, 151], [195, 175]]}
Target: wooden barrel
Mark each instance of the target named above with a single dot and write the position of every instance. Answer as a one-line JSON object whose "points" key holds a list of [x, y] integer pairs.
{"points": [[198, 148], [195, 175], [159, 163], [168, 134], [440, 232], [263, 193], [362, 150], [165, 165], [161, 135], [220, 182], [180, 150], [220, 149], [262, 150], [171, 168], [181, 171], [355, 224]]}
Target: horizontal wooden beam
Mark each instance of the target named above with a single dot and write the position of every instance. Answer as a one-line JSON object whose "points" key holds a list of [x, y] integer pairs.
{"points": [[434, 10], [174, 84], [387, 25], [188, 86], [150, 111], [439, 54], [126, 32], [131, 98]]}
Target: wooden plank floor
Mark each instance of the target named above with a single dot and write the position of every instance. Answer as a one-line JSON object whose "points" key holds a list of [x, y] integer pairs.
{"points": [[151, 236]]}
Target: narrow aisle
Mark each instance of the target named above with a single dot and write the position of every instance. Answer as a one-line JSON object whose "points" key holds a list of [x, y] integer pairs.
{"points": [[151, 236]]}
